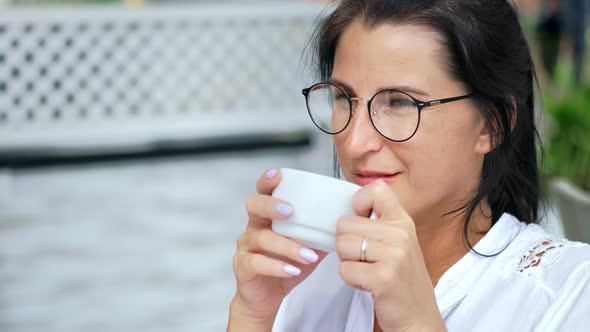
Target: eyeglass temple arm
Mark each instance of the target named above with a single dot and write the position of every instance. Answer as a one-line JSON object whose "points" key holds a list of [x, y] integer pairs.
{"points": [[446, 100]]}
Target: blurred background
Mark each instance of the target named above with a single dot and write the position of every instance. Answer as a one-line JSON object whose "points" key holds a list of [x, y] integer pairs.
{"points": [[131, 133]]}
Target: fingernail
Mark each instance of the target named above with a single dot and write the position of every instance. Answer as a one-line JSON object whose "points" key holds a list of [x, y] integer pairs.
{"points": [[271, 173], [292, 270], [284, 210], [308, 254]]}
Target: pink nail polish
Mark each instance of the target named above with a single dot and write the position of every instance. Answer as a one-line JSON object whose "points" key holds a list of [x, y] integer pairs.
{"points": [[271, 173], [308, 254], [292, 270], [284, 210]]}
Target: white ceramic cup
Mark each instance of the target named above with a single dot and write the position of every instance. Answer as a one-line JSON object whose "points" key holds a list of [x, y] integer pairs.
{"points": [[318, 202]]}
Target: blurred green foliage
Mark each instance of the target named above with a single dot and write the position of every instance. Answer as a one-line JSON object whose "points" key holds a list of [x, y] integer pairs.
{"points": [[567, 151]]}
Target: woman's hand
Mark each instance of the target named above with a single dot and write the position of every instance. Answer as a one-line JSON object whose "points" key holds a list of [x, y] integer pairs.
{"points": [[394, 271], [267, 266]]}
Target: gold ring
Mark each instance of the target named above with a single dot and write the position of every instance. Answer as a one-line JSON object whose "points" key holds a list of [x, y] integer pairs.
{"points": [[364, 249]]}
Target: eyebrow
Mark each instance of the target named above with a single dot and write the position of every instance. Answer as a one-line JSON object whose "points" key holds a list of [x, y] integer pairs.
{"points": [[404, 88]]}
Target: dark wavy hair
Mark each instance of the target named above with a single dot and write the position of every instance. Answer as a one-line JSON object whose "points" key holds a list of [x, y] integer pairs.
{"points": [[486, 50]]}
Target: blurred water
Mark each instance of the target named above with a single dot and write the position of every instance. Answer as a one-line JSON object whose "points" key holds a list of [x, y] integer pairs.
{"points": [[132, 246], [128, 246]]}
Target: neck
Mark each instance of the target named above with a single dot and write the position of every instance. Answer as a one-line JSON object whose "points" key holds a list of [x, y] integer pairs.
{"points": [[442, 239]]}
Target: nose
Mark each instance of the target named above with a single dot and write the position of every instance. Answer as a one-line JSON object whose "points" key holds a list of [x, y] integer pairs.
{"points": [[361, 137]]}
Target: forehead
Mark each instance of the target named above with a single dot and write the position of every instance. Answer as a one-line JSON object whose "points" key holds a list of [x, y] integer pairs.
{"points": [[400, 54]]}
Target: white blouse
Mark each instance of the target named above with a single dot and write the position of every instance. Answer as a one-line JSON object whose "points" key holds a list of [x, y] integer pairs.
{"points": [[537, 283]]}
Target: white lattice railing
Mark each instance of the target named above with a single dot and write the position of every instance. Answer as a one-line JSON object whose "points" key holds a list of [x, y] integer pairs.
{"points": [[116, 78]]}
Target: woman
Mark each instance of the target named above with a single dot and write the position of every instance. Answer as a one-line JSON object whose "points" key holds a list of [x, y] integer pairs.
{"points": [[431, 107]]}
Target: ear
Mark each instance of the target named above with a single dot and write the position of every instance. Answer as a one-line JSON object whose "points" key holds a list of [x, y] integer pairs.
{"points": [[487, 139], [484, 143]]}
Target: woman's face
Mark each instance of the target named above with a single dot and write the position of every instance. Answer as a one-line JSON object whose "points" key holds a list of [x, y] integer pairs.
{"points": [[439, 167]]}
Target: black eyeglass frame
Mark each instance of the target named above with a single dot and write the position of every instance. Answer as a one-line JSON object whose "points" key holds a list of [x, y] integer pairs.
{"points": [[419, 104]]}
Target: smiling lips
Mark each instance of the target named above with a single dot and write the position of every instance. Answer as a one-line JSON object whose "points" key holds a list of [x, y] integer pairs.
{"points": [[364, 178]]}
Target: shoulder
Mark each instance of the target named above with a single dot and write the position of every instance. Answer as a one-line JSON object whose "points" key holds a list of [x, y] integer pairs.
{"points": [[562, 269], [551, 263], [557, 268]]}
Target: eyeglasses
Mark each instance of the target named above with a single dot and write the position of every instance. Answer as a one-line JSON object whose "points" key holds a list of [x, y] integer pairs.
{"points": [[394, 114]]}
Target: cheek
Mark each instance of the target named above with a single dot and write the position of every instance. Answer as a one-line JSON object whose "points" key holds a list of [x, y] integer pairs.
{"points": [[447, 139], [338, 145], [440, 162], [425, 164], [338, 141]]}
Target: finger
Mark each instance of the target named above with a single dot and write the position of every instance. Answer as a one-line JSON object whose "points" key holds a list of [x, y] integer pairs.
{"points": [[270, 243], [363, 227], [247, 266], [379, 198], [262, 209], [376, 278], [357, 274], [401, 234], [267, 182], [348, 247]]}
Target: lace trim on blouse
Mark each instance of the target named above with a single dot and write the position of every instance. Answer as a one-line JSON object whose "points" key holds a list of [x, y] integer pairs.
{"points": [[545, 253]]}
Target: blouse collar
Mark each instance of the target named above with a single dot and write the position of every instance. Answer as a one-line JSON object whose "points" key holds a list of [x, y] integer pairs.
{"points": [[456, 282]]}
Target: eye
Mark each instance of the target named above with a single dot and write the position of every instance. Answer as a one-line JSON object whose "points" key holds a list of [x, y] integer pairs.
{"points": [[339, 96], [398, 102]]}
